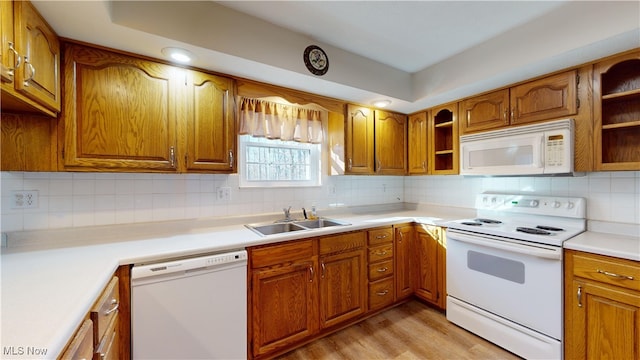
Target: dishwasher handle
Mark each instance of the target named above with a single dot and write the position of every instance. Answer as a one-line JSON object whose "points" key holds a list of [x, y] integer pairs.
{"points": [[189, 265]]}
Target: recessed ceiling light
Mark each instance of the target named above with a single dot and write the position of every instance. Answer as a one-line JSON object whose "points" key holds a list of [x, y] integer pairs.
{"points": [[178, 54], [381, 103]]}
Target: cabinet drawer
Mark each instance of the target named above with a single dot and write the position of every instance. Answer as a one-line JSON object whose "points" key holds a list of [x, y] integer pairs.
{"points": [[619, 272], [380, 293], [381, 252], [105, 310], [276, 254], [380, 236], [81, 346], [108, 347], [380, 270], [343, 242]]}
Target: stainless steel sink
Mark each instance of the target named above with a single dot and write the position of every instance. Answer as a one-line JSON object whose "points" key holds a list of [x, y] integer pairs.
{"points": [[319, 223], [265, 229], [275, 228]]}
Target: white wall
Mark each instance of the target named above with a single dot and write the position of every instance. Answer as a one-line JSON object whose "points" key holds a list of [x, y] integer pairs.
{"points": [[86, 199]]}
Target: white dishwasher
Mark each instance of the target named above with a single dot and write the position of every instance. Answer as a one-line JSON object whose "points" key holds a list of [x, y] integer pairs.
{"points": [[192, 308]]}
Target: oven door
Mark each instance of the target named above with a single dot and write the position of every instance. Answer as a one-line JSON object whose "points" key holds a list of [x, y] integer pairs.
{"points": [[515, 280]]}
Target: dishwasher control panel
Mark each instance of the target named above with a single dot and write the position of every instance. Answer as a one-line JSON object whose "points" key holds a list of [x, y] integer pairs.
{"points": [[190, 264]]}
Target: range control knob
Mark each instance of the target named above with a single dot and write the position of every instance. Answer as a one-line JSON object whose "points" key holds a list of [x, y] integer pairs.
{"points": [[556, 204], [534, 203], [570, 205]]}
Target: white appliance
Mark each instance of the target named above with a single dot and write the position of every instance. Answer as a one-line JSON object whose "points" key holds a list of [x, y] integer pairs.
{"points": [[193, 308], [504, 270], [539, 149]]}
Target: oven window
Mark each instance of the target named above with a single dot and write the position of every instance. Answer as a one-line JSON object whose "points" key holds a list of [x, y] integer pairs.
{"points": [[496, 266]]}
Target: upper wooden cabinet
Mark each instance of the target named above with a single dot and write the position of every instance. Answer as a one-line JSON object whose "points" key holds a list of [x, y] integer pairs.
{"points": [[122, 113], [443, 140], [544, 99], [616, 86], [30, 70], [211, 132], [417, 144], [375, 142], [390, 143], [359, 140]]}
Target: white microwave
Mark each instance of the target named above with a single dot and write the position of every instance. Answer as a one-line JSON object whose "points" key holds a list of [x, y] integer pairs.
{"points": [[539, 149]]}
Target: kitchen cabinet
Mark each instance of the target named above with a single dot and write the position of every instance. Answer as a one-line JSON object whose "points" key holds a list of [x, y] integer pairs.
{"points": [[430, 248], [81, 346], [124, 113], [602, 307], [381, 267], [390, 143], [359, 150], [342, 278], [283, 295], [417, 144], [105, 333], [28, 143], [548, 98], [30, 70], [404, 260], [375, 141], [443, 140], [300, 288], [617, 112]]}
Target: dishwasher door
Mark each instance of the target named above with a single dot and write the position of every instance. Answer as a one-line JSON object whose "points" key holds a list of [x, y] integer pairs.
{"points": [[193, 308]]}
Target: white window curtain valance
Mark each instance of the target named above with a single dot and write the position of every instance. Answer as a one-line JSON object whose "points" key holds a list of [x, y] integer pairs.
{"points": [[261, 118]]}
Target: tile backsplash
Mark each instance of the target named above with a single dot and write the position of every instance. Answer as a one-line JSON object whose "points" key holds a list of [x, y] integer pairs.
{"points": [[87, 199]]}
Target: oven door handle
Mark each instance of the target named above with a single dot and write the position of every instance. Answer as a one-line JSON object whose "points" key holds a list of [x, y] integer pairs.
{"points": [[533, 250]]}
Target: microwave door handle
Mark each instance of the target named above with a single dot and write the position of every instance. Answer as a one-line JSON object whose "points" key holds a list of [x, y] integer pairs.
{"points": [[543, 150]]}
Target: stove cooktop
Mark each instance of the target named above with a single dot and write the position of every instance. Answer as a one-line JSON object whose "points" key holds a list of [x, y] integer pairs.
{"points": [[540, 219]]}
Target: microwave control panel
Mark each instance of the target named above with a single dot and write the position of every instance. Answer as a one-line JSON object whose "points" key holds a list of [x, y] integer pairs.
{"points": [[555, 150]]}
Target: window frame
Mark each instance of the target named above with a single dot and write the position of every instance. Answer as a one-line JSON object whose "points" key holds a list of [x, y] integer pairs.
{"points": [[315, 170]]}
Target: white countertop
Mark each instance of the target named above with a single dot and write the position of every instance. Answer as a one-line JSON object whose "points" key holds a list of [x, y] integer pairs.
{"points": [[625, 247], [48, 288], [47, 292]]}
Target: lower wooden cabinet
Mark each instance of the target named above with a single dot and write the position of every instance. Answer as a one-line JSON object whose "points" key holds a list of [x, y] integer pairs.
{"points": [[430, 251], [381, 268], [602, 307], [404, 261], [105, 333], [299, 288]]}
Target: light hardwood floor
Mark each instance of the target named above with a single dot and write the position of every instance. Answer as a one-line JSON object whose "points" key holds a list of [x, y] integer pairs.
{"points": [[410, 331]]}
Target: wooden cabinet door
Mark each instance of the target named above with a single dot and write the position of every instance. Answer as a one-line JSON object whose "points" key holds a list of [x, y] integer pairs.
{"points": [[38, 78], [605, 322], [484, 112], [404, 239], [359, 140], [119, 112], [417, 138], [210, 134], [7, 56], [390, 143], [283, 305], [549, 98], [426, 248], [343, 287]]}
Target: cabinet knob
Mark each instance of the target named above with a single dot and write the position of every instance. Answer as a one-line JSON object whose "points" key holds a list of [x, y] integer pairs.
{"points": [[32, 71]]}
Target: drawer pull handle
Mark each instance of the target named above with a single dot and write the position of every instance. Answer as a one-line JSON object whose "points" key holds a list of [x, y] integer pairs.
{"points": [[381, 237], [381, 253], [382, 293], [381, 270], [115, 304], [613, 275]]}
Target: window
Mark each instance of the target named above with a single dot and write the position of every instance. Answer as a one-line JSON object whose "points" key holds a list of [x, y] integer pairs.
{"points": [[269, 163]]}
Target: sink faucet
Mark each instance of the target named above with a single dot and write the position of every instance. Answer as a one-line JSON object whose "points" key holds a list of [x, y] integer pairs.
{"points": [[287, 214]]}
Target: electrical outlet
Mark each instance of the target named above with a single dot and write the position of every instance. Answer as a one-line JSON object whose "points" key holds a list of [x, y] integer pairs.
{"points": [[223, 193], [24, 199]]}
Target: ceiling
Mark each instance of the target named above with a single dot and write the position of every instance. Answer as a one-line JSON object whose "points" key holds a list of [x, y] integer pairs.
{"points": [[415, 53]]}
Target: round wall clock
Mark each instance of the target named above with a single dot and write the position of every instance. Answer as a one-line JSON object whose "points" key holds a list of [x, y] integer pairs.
{"points": [[316, 60]]}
